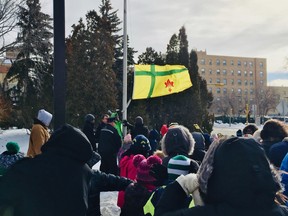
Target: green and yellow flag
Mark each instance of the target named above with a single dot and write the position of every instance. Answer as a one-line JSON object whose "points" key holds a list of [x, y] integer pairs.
{"points": [[154, 80]]}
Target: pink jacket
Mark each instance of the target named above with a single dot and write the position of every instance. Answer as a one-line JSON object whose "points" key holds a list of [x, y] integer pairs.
{"points": [[128, 170]]}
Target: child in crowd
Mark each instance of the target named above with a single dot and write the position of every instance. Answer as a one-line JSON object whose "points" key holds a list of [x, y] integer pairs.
{"points": [[137, 194], [140, 145], [10, 156]]}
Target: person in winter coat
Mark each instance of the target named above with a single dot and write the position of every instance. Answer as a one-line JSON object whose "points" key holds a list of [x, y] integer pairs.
{"points": [[178, 165], [199, 149], [235, 178], [249, 129], [178, 141], [55, 182], [100, 126], [140, 145], [109, 145], [137, 194], [39, 133], [273, 131], [154, 138], [138, 128], [284, 175], [101, 182], [10, 156], [89, 131], [278, 151]]}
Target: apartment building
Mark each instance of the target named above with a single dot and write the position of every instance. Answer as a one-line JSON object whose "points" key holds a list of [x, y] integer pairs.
{"points": [[234, 81]]}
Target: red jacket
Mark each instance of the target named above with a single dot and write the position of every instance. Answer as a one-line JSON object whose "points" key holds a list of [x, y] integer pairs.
{"points": [[128, 170]]}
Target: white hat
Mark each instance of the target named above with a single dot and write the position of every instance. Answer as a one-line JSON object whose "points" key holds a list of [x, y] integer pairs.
{"points": [[44, 116]]}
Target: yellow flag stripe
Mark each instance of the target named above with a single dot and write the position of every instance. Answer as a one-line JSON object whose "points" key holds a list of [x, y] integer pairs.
{"points": [[153, 74]]}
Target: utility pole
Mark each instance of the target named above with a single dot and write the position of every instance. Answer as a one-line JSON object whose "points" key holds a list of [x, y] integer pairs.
{"points": [[59, 63], [124, 98]]}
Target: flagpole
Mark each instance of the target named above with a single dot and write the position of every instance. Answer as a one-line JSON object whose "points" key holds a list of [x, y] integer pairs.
{"points": [[124, 98]]}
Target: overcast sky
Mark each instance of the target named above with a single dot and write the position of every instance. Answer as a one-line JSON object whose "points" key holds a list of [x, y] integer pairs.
{"points": [[248, 28]]}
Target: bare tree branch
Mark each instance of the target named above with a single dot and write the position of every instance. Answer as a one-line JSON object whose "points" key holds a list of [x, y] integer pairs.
{"points": [[8, 21]]}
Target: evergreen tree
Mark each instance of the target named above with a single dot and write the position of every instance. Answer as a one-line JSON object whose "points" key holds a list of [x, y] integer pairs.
{"points": [[32, 68], [90, 50], [172, 56], [150, 56]]}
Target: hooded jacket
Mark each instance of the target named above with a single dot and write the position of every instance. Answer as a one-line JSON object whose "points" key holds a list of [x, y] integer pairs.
{"points": [[39, 135], [55, 182], [237, 181]]}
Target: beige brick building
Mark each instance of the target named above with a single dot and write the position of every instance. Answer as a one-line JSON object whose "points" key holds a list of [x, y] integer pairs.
{"points": [[234, 81]]}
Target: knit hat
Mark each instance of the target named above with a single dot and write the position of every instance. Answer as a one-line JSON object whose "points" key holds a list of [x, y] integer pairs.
{"points": [[239, 133], [138, 120], [89, 118], [141, 145], [12, 147], [143, 167], [178, 140], [113, 117], [178, 165], [44, 116]]}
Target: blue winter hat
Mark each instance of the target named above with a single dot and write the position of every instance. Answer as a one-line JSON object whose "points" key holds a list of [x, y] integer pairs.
{"points": [[141, 145], [12, 147]]}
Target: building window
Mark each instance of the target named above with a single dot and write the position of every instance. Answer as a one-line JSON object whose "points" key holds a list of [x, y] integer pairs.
{"points": [[217, 62], [224, 90], [232, 81], [261, 64], [202, 61], [218, 90], [239, 91], [225, 81], [239, 63], [239, 73], [261, 74], [246, 82], [203, 71], [210, 89], [245, 73], [210, 72], [232, 90], [246, 92], [218, 72], [210, 62], [251, 64], [239, 82], [251, 74], [224, 72], [232, 72], [261, 82], [251, 82], [210, 80], [251, 92], [217, 80], [232, 62], [245, 63], [224, 62]]}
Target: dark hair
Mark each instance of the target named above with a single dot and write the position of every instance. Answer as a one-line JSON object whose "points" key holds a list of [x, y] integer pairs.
{"points": [[274, 129], [250, 129]]}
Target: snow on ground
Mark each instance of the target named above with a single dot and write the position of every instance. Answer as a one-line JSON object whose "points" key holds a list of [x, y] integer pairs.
{"points": [[108, 199]]}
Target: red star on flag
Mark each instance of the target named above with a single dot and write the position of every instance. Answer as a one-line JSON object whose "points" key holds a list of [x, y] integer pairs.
{"points": [[169, 84]]}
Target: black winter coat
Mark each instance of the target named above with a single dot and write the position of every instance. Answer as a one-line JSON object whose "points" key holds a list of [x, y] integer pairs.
{"points": [[171, 201], [55, 182], [101, 182], [88, 130]]}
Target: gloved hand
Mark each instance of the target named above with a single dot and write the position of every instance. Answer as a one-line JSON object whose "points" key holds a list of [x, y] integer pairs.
{"points": [[189, 182], [159, 172], [124, 122]]}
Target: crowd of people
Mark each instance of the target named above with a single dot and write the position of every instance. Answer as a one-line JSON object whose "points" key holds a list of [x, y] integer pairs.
{"points": [[173, 171]]}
